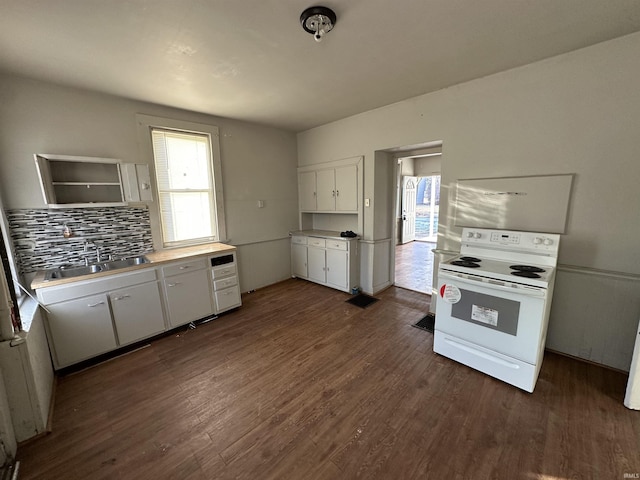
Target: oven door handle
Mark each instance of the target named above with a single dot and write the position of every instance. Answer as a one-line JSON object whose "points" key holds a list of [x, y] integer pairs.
{"points": [[528, 291]]}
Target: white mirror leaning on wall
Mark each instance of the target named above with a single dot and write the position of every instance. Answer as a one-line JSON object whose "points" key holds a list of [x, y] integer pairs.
{"points": [[632, 399]]}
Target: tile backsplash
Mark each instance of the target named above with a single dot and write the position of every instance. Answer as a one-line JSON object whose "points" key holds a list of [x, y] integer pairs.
{"points": [[39, 242]]}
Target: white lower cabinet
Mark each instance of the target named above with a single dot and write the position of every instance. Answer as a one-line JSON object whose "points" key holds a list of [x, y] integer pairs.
{"points": [[188, 296], [90, 317], [299, 257], [80, 329], [299, 261], [338, 269], [86, 319], [137, 312], [317, 264], [329, 261], [226, 291]]}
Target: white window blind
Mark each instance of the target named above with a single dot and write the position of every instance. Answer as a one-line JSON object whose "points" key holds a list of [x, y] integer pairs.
{"points": [[185, 186]]}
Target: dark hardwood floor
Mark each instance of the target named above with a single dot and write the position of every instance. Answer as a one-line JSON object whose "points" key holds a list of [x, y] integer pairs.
{"points": [[297, 384]]}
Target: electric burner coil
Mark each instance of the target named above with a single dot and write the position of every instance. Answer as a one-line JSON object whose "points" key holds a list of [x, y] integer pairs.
{"points": [[526, 268]]}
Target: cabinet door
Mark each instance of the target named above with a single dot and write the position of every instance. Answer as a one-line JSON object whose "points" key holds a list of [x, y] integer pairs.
{"points": [[337, 269], [188, 297], [326, 190], [80, 329], [347, 188], [299, 261], [137, 312], [307, 191], [316, 264]]}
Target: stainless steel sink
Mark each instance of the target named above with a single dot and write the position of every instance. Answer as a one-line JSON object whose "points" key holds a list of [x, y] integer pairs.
{"points": [[123, 263], [70, 272]]}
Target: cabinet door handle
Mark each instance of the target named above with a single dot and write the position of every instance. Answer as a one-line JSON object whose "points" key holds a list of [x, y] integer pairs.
{"points": [[91, 305], [122, 297], [333, 193], [173, 284], [184, 267], [337, 193]]}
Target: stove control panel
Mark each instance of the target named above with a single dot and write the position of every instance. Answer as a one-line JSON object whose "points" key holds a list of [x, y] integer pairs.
{"points": [[510, 240], [505, 237]]}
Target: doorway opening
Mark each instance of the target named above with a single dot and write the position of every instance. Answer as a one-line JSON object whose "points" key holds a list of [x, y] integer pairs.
{"points": [[418, 203]]}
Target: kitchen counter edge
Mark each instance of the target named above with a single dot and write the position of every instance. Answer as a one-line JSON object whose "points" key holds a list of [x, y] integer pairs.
{"points": [[155, 259], [322, 234]]}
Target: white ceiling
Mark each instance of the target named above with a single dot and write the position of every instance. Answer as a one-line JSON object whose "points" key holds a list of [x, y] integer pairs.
{"points": [[251, 59]]}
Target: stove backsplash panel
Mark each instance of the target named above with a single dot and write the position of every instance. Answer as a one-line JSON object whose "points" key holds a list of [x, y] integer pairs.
{"points": [[39, 241]]}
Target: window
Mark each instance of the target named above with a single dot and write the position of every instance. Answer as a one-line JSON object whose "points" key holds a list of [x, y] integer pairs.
{"points": [[187, 178]]}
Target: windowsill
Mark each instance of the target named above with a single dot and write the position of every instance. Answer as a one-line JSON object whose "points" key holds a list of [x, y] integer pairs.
{"points": [[194, 243]]}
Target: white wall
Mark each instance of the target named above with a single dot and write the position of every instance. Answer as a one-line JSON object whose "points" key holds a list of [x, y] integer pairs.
{"points": [[428, 166], [258, 162], [575, 113]]}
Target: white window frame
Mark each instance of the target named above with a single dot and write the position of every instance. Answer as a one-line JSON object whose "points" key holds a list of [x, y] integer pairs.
{"points": [[144, 125]]}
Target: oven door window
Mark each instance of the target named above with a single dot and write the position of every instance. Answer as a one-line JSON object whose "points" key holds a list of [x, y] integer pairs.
{"points": [[488, 311]]}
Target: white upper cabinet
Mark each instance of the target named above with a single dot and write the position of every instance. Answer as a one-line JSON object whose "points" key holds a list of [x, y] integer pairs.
{"points": [[347, 188], [323, 189], [307, 191], [69, 181], [136, 182], [326, 188]]}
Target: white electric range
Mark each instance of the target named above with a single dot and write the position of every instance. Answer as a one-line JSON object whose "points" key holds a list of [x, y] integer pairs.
{"points": [[493, 303]]}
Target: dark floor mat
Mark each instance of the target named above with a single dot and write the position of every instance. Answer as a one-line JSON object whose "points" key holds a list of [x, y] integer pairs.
{"points": [[361, 300], [426, 323]]}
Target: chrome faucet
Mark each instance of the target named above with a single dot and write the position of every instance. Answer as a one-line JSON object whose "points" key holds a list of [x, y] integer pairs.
{"points": [[87, 243], [86, 250]]}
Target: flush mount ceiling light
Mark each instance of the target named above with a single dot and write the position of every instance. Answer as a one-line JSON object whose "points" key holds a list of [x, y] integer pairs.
{"points": [[318, 21]]}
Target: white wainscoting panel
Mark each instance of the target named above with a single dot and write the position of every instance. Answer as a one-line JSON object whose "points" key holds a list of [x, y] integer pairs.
{"points": [[594, 315]]}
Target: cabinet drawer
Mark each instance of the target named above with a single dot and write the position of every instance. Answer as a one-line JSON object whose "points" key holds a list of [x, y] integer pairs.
{"points": [[184, 267], [337, 245], [223, 271], [225, 282], [227, 298], [299, 240], [317, 242]]}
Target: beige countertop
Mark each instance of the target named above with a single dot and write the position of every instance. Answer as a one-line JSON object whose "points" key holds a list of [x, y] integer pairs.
{"points": [[155, 258], [323, 234]]}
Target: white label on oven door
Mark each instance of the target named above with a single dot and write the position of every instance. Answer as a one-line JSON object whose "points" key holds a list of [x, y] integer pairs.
{"points": [[484, 315], [450, 293]]}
